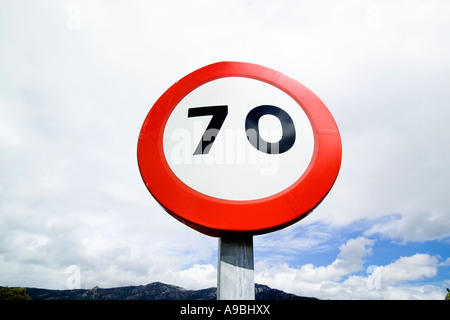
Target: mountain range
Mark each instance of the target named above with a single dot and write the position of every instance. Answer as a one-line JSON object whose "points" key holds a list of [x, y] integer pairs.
{"points": [[152, 291]]}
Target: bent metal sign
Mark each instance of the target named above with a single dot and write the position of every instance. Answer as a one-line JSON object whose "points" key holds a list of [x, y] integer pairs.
{"points": [[238, 147]]}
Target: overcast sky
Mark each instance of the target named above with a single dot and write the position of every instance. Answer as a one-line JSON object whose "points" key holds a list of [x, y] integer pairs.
{"points": [[77, 79]]}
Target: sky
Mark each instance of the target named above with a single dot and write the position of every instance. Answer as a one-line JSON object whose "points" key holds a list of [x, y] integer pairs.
{"points": [[77, 79]]}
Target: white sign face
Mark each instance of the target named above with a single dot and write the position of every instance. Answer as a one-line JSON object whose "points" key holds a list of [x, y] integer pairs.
{"points": [[238, 138]]}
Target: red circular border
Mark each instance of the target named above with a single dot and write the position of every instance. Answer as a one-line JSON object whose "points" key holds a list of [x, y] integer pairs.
{"points": [[217, 217]]}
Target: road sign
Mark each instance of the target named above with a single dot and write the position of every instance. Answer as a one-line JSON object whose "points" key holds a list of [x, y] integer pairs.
{"points": [[238, 147]]}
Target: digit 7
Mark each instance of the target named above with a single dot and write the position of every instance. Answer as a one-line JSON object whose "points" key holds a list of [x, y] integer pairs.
{"points": [[218, 113]]}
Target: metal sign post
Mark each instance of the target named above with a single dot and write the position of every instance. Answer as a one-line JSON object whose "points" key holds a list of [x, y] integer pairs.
{"points": [[235, 270]]}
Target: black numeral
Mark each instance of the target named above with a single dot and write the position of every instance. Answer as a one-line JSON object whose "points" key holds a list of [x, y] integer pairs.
{"points": [[252, 129], [218, 113]]}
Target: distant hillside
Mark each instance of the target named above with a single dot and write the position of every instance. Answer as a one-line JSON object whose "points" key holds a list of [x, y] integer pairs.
{"points": [[152, 291]]}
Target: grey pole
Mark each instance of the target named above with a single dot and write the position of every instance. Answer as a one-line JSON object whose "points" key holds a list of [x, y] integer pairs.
{"points": [[235, 270]]}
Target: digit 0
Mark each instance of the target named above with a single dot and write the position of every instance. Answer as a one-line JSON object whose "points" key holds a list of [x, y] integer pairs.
{"points": [[252, 129]]}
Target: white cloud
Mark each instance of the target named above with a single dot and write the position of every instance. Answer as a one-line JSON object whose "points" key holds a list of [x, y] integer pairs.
{"points": [[411, 268], [349, 260], [312, 278], [35, 247], [445, 263], [197, 276], [414, 226], [341, 279]]}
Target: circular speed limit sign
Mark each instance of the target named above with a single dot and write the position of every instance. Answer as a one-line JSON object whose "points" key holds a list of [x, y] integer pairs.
{"points": [[237, 147]]}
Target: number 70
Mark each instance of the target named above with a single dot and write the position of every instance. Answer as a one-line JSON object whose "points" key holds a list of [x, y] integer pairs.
{"points": [[219, 114]]}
